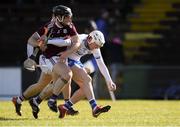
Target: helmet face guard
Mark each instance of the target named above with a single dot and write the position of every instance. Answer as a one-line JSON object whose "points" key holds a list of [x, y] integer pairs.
{"points": [[97, 37]]}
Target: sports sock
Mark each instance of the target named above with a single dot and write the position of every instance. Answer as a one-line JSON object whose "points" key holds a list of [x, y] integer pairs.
{"points": [[38, 99], [68, 105], [54, 97], [20, 99], [93, 103]]}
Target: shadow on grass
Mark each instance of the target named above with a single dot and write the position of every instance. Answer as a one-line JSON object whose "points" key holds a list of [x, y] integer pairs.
{"points": [[6, 119]]}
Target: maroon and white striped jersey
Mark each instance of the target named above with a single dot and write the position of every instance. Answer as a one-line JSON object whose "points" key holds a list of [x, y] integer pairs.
{"points": [[55, 31]]}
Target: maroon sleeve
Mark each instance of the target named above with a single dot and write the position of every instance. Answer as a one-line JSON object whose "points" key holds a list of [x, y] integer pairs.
{"points": [[73, 30]]}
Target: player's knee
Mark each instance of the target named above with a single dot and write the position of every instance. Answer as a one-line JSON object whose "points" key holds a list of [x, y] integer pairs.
{"points": [[66, 77], [87, 79]]}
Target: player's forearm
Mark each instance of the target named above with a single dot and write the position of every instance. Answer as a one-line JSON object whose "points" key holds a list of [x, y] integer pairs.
{"points": [[33, 40], [73, 49], [75, 44], [104, 71], [59, 42]]}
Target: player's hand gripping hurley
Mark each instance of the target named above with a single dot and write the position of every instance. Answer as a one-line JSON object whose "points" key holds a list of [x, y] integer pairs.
{"points": [[30, 63]]}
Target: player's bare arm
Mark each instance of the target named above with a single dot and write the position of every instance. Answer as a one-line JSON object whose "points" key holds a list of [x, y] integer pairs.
{"points": [[74, 47], [38, 41]]}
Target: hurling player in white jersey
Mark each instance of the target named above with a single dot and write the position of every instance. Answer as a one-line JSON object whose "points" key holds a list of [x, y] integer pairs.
{"points": [[90, 44]]}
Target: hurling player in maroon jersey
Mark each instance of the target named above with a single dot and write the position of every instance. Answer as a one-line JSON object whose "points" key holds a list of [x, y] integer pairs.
{"points": [[60, 26]]}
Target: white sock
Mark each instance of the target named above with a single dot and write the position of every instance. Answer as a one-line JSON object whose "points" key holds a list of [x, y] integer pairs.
{"points": [[19, 101]]}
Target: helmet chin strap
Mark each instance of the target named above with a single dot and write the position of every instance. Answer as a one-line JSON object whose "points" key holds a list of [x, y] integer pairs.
{"points": [[60, 20]]}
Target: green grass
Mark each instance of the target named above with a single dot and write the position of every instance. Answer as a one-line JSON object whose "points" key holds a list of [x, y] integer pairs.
{"points": [[123, 113]]}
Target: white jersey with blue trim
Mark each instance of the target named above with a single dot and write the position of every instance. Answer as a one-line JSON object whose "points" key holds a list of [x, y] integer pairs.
{"points": [[83, 50]]}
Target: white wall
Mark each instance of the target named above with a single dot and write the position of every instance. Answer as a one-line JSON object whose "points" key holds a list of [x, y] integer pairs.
{"points": [[10, 82]]}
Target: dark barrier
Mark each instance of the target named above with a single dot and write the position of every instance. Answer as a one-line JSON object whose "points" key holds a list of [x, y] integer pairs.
{"points": [[133, 82], [143, 82], [29, 78]]}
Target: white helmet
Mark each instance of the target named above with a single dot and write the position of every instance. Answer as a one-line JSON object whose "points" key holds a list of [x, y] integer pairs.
{"points": [[97, 37]]}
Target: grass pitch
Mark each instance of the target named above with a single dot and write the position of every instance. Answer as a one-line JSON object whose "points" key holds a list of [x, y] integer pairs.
{"points": [[123, 113]]}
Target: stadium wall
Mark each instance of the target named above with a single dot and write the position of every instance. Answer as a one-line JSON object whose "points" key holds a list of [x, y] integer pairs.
{"points": [[133, 82], [10, 82]]}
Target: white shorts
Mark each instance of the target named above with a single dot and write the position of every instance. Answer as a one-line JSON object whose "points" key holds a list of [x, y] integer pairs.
{"points": [[46, 65]]}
